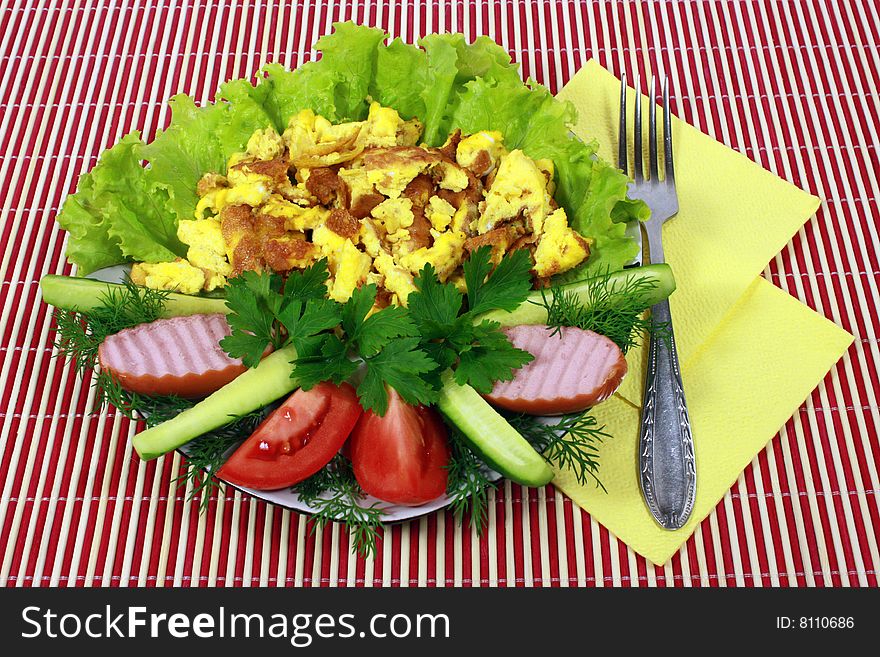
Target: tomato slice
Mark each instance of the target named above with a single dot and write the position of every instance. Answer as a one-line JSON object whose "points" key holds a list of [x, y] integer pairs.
{"points": [[403, 456], [296, 440]]}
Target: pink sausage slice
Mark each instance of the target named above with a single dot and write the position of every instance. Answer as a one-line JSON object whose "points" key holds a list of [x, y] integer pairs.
{"points": [[573, 370], [176, 356]]}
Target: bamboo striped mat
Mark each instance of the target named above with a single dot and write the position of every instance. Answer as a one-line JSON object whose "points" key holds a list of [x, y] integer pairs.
{"points": [[792, 84]]}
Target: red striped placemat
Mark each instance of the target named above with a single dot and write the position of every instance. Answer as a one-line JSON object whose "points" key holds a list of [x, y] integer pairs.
{"points": [[793, 85]]}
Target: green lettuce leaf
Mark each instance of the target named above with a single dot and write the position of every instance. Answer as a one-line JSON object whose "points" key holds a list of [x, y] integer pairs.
{"points": [[116, 213], [350, 54], [401, 75], [336, 87], [89, 245], [179, 155]]}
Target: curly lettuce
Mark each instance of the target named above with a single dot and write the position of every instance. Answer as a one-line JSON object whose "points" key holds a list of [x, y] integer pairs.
{"points": [[124, 211]]}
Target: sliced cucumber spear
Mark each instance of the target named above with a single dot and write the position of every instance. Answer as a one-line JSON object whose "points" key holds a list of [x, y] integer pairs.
{"points": [[85, 294], [268, 381], [491, 436], [534, 312]]}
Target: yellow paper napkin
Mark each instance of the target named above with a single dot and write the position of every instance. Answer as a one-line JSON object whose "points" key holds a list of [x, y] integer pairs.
{"points": [[750, 353], [742, 386], [733, 215]]}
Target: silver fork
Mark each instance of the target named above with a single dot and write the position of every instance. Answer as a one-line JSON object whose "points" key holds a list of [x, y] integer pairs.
{"points": [[667, 469]]}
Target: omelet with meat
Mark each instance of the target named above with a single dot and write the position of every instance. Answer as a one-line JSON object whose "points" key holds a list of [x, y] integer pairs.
{"points": [[373, 202]]}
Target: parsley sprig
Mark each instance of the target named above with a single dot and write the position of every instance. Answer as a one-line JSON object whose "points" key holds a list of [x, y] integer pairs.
{"points": [[403, 348], [270, 311], [383, 343], [478, 352]]}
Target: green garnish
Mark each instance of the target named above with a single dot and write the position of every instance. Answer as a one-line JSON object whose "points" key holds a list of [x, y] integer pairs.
{"points": [[469, 484], [503, 289], [383, 344], [571, 443], [266, 310], [404, 348], [478, 354], [207, 453], [335, 495], [615, 310], [78, 336]]}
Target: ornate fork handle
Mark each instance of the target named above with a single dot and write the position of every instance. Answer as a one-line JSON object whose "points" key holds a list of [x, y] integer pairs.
{"points": [[667, 469]]}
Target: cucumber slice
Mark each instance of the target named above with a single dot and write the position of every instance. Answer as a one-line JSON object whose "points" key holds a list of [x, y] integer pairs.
{"points": [[85, 294], [250, 391], [532, 311], [491, 436]]}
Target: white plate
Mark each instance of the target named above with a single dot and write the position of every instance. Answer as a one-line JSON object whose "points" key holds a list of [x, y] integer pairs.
{"points": [[287, 498]]}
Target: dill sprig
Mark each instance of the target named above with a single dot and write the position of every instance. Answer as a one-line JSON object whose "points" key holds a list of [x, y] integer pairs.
{"points": [[615, 309], [78, 336], [335, 496], [205, 455], [469, 483], [571, 443]]}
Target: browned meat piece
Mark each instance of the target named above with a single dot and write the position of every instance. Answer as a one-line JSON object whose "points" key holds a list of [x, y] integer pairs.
{"points": [[394, 157], [525, 242], [448, 149], [247, 254], [455, 199], [274, 169], [383, 297], [500, 239], [269, 225], [258, 241], [481, 164], [364, 205], [474, 191], [285, 253], [420, 230], [490, 178], [235, 221], [343, 223], [324, 184], [419, 190]]}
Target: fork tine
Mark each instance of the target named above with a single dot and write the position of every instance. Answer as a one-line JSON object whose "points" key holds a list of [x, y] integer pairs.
{"points": [[667, 133], [652, 131], [621, 133], [637, 130]]}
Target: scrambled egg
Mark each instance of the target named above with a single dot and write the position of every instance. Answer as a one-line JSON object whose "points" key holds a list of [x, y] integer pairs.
{"points": [[207, 250], [178, 275], [520, 187], [372, 202], [480, 152], [559, 247]]}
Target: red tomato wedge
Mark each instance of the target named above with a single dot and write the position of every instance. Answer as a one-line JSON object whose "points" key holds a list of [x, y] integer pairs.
{"points": [[401, 457], [296, 440]]}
